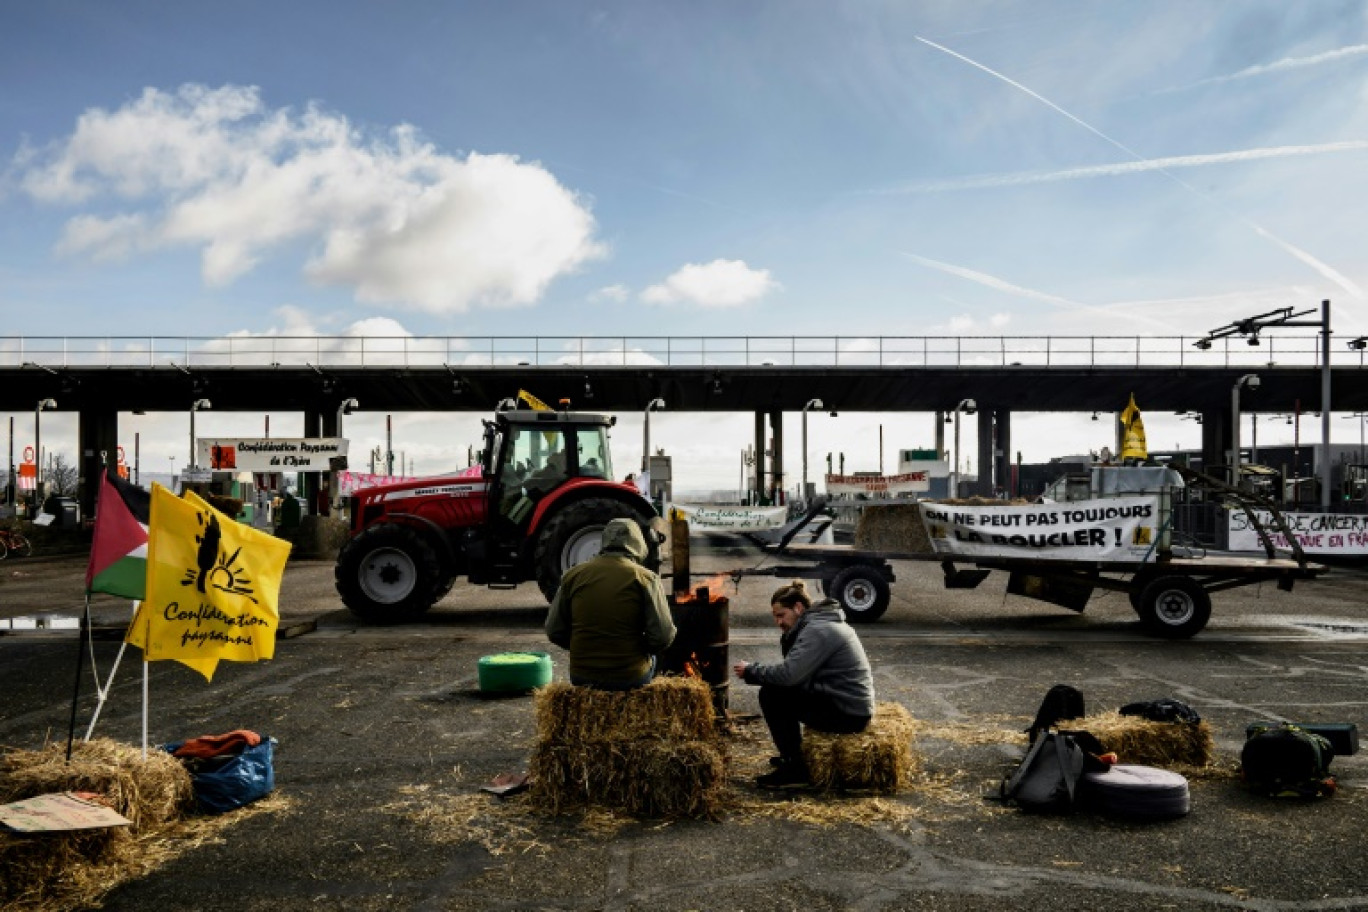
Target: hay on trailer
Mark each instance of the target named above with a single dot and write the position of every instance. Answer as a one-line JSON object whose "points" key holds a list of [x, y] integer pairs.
{"points": [[892, 528], [671, 708], [72, 870], [653, 751], [1140, 741], [646, 778], [880, 758]]}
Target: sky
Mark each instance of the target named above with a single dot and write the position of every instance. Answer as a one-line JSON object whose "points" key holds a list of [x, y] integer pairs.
{"points": [[1003, 167]]}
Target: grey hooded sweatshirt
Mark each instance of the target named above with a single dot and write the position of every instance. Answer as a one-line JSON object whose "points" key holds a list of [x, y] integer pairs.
{"points": [[610, 611], [822, 654]]}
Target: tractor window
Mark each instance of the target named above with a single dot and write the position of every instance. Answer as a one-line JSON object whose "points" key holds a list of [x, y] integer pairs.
{"points": [[593, 453], [534, 459]]}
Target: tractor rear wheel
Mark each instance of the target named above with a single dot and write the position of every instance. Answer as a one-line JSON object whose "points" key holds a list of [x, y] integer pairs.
{"points": [[389, 574], [573, 535]]}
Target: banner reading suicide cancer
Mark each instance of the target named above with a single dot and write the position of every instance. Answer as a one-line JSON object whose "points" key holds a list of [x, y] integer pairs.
{"points": [[1114, 529], [1342, 534], [732, 519]]}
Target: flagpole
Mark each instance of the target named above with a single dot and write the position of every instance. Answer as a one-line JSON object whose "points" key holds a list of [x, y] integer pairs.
{"points": [[144, 711], [102, 693], [80, 658]]}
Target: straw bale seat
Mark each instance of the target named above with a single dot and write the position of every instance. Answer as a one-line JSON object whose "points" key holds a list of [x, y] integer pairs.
{"points": [[652, 752], [1139, 741], [73, 869], [880, 758]]}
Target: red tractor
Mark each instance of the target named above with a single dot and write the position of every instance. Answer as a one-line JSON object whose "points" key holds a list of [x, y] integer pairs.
{"points": [[543, 496]]}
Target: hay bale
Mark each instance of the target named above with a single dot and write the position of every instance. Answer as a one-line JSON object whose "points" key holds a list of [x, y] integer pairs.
{"points": [[1140, 741], [147, 791], [670, 708], [647, 778], [892, 528], [653, 751], [879, 758], [69, 870]]}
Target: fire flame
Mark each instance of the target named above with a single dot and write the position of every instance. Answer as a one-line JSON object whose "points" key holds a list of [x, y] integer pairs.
{"points": [[715, 585], [693, 666]]}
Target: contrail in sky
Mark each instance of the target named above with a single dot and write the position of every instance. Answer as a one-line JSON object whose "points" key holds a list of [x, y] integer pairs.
{"points": [[994, 282], [1287, 63], [1326, 271], [1135, 167]]}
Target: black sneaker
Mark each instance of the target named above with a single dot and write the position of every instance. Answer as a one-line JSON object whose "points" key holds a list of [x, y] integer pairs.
{"points": [[785, 776]]}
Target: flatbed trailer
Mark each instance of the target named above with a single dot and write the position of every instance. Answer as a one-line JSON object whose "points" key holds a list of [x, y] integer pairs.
{"points": [[1170, 592], [1172, 596]]}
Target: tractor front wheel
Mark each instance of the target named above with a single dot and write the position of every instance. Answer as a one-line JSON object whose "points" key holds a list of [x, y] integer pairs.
{"points": [[388, 574], [573, 535]]}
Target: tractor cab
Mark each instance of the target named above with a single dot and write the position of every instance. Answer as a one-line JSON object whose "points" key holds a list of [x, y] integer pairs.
{"points": [[531, 454]]}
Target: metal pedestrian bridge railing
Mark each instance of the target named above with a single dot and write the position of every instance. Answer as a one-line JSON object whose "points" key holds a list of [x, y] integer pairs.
{"points": [[669, 351]]}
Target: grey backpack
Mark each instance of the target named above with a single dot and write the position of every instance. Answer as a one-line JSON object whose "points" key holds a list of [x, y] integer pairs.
{"points": [[1047, 778]]}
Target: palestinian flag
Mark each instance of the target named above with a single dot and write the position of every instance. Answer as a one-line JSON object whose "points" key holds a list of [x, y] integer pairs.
{"points": [[118, 558]]}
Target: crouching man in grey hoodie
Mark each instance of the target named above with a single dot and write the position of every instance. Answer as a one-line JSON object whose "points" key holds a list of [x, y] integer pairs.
{"points": [[824, 680]]}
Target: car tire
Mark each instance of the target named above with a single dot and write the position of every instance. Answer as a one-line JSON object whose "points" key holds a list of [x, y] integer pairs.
{"points": [[1175, 607], [862, 591]]}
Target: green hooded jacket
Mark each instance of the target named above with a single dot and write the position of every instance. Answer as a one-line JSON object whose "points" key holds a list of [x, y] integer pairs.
{"points": [[610, 611]]}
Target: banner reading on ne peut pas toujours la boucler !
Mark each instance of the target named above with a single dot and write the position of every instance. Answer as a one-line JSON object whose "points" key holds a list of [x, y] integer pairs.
{"points": [[1113, 529]]}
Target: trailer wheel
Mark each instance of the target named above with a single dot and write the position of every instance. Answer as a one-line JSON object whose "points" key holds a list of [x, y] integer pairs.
{"points": [[1175, 607], [862, 592], [389, 574], [573, 535]]}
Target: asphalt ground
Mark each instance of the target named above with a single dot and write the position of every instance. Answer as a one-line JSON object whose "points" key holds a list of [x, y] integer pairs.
{"points": [[385, 739]]}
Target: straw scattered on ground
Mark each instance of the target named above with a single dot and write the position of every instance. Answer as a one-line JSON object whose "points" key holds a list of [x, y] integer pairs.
{"points": [[66, 871]]}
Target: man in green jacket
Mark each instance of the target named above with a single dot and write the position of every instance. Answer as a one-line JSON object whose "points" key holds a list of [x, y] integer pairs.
{"points": [[611, 613]]}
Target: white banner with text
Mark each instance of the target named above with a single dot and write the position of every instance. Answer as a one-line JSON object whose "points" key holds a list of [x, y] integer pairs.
{"points": [[892, 485], [731, 519], [1341, 534], [1111, 529], [268, 454]]}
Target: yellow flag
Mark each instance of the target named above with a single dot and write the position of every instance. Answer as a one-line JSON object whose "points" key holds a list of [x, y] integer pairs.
{"points": [[213, 586], [533, 402], [1132, 433]]}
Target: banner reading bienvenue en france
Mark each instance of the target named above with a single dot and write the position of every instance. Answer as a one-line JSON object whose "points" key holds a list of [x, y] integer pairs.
{"points": [[1344, 534], [1113, 529], [732, 519]]}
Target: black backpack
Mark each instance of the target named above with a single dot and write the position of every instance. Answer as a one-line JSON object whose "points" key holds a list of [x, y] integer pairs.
{"points": [[1061, 702], [1165, 710], [1285, 761]]}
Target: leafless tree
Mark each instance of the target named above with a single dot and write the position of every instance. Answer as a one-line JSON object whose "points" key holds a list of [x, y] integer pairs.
{"points": [[61, 477]]}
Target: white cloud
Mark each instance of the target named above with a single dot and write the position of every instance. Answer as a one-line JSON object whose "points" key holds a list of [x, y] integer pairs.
{"points": [[719, 284], [389, 216], [614, 293]]}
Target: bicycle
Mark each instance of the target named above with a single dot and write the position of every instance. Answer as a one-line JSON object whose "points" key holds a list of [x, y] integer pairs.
{"points": [[14, 540]]}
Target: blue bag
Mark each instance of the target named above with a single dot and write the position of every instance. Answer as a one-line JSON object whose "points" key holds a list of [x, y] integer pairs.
{"points": [[229, 781]]}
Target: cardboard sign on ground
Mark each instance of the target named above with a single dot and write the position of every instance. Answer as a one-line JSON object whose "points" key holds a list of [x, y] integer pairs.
{"points": [[59, 812]]}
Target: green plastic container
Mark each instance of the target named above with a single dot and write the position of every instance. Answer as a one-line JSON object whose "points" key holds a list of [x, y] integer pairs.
{"points": [[509, 672]]}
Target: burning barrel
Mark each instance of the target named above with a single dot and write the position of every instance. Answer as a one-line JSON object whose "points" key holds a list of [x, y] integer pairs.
{"points": [[702, 628]]}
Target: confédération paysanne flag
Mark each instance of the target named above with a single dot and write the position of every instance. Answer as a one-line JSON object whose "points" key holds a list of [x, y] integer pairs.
{"points": [[1132, 433], [213, 586], [118, 555]]}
